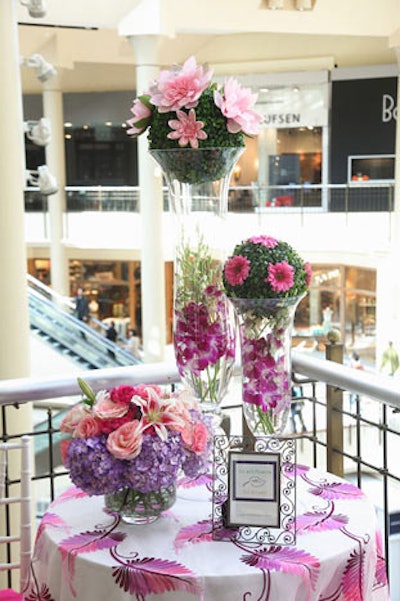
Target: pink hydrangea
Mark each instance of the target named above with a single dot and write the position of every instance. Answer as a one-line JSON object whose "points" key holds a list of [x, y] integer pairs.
{"points": [[141, 118], [180, 87], [280, 276], [236, 104], [237, 269], [187, 129]]}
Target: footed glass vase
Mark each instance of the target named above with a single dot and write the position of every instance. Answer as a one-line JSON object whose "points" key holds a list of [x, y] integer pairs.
{"points": [[265, 327], [137, 507], [204, 322]]}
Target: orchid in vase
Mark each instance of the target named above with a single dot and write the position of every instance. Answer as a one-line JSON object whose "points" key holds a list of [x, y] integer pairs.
{"points": [[265, 279]]}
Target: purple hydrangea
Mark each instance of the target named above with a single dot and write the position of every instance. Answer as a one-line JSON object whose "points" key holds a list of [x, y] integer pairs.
{"points": [[157, 464], [92, 467]]}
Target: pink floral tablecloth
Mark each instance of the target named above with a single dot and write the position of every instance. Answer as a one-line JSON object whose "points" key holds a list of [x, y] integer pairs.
{"points": [[82, 553]]}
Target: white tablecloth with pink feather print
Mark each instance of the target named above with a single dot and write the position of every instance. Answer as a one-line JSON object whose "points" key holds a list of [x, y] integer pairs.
{"points": [[83, 553]]}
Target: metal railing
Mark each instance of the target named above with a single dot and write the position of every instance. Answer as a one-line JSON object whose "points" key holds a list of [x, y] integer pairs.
{"points": [[352, 419], [352, 197]]}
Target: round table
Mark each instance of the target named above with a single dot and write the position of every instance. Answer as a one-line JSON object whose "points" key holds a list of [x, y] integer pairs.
{"points": [[84, 554]]}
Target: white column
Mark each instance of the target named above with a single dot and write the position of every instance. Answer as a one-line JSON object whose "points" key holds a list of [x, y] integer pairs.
{"points": [[151, 207], [14, 316], [55, 160]]}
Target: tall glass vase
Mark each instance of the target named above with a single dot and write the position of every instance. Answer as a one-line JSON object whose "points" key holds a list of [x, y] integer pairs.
{"points": [[204, 322], [265, 327]]}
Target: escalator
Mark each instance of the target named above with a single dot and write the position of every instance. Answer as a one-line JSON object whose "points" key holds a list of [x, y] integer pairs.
{"points": [[51, 318]]}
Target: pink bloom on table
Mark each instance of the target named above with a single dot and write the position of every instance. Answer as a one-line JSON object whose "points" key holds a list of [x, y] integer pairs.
{"points": [[308, 270], [195, 437], [280, 276], [267, 241], [187, 129], [89, 426], [72, 419], [108, 409], [159, 414], [180, 87], [122, 394], [237, 269], [141, 118], [126, 442], [64, 444], [236, 104]]}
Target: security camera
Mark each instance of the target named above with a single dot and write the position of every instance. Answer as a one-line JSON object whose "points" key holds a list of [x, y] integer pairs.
{"points": [[44, 70], [38, 131], [36, 8], [42, 178]]}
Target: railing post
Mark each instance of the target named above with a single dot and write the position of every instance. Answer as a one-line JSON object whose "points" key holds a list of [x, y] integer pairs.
{"points": [[334, 417]]}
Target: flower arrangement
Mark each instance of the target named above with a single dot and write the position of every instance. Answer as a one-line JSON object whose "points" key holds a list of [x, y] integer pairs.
{"points": [[204, 335], [184, 109], [264, 267], [265, 279], [133, 437]]}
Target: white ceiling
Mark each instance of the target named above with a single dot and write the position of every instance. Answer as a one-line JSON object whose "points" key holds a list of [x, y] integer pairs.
{"points": [[239, 36]]}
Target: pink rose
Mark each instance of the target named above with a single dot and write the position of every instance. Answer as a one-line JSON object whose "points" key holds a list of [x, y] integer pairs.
{"points": [[200, 437], [126, 442], [64, 444], [89, 425], [108, 409], [72, 419]]}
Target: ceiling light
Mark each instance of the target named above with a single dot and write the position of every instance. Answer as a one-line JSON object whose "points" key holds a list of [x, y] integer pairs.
{"points": [[42, 178], [36, 8], [38, 131]]}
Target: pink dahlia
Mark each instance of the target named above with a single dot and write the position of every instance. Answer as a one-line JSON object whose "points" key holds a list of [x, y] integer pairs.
{"points": [[180, 87], [187, 129], [141, 118], [280, 276], [236, 104], [237, 269]]}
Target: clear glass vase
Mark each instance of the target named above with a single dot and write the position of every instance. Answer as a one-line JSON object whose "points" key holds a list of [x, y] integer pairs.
{"points": [[265, 327], [137, 507], [204, 323]]}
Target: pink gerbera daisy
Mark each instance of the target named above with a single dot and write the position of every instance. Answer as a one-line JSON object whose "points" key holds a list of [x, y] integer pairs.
{"points": [[280, 276], [267, 241], [308, 270], [237, 269]]}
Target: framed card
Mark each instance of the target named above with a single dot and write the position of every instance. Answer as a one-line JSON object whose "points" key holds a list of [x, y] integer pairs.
{"points": [[254, 490]]}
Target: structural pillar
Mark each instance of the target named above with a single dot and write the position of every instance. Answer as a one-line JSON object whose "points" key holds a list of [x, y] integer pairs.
{"points": [[151, 207], [14, 361], [55, 160]]}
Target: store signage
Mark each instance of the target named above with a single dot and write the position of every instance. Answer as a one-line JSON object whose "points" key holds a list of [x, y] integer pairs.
{"points": [[294, 107], [389, 108]]}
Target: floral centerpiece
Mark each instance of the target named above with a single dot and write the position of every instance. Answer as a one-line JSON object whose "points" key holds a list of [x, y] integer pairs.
{"points": [[184, 108], [129, 444], [265, 279], [196, 130]]}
